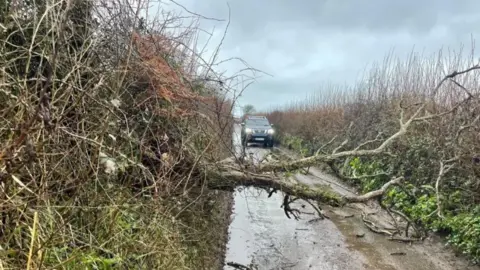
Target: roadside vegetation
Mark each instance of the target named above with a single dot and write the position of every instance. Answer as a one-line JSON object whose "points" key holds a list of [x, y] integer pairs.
{"points": [[439, 156], [105, 114], [248, 109]]}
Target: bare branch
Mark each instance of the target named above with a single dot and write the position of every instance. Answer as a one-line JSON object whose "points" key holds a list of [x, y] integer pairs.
{"points": [[445, 167], [340, 146], [453, 75], [376, 193], [462, 87], [195, 14], [377, 139], [325, 145], [432, 116]]}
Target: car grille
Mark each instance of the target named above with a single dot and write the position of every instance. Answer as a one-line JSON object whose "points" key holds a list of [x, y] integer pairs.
{"points": [[259, 131]]}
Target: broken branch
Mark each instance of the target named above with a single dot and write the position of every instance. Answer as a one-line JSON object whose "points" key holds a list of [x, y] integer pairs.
{"points": [[227, 178]]}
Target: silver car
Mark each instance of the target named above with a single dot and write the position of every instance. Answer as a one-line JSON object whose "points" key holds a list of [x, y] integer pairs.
{"points": [[257, 129]]}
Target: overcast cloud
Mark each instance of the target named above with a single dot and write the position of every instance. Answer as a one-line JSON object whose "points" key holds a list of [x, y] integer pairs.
{"points": [[304, 43]]}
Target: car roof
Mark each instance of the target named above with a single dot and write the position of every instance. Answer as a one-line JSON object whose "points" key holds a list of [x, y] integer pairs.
{"points": [[256, 120]]}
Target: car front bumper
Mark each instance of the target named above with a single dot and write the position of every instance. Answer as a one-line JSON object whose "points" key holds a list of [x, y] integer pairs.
{"points": [[259, 138]]}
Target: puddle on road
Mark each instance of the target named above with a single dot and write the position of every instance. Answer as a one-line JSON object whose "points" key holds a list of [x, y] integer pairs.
{"points": [[261, 234], [254, 219]]}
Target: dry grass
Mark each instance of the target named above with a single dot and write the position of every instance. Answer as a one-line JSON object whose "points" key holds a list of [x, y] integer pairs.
{"points": [[102, 130]]}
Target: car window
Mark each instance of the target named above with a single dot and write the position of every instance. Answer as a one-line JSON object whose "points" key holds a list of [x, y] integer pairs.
{"points": [[257, 122]]}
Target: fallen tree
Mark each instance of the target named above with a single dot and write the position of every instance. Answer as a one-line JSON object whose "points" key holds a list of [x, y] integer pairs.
{"points": [[276, 175]]}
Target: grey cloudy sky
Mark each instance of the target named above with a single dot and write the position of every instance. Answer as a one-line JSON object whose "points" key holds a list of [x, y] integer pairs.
{"points": [[308, 42]]}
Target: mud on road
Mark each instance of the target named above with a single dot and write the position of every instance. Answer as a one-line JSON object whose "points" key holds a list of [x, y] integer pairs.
{"points": [[261, 234]]}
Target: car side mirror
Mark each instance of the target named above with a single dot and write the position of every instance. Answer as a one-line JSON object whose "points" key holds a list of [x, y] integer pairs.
{"points": [[243, 124], [271, 125]]}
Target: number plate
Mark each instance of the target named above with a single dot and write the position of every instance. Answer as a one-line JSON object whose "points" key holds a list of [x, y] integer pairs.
{"points": [[259, 139]]}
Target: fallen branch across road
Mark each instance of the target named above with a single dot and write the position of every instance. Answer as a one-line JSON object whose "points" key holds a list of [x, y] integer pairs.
{"points": [[228, 178]]}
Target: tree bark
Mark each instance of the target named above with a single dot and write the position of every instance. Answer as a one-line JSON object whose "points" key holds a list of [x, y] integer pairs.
{"points": [[229, 177]]}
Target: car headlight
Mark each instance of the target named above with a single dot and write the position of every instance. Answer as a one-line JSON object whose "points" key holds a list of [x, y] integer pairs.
{"points": [[271, 131], [248, 130]]}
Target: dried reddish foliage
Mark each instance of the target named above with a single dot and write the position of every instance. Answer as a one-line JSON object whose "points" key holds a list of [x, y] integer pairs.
{"points": [[310, 124], [172, 92], [167, 82]]}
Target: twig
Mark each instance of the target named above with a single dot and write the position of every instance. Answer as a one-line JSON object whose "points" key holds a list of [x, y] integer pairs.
{"points": [[374, 228], [404, 239], [320, 214], [238, 266], [287, 209]]}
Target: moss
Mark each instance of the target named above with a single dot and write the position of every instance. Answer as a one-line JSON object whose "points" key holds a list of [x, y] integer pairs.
{"points": [[322, 194]]}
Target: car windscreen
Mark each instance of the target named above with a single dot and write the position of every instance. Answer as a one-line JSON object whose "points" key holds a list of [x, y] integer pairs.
{"points": [[257, 122]]}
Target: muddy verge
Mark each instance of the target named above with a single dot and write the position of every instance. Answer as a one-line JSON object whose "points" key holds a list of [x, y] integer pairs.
{"points": [[224, 212]]}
